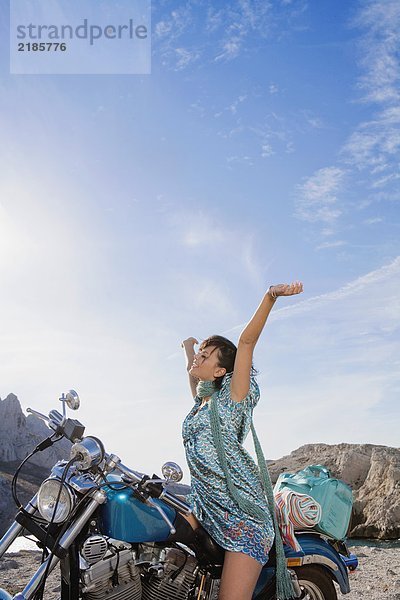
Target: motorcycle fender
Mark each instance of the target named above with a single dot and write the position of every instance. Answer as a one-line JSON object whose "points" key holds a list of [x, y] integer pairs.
{"points": [[317, 551]]}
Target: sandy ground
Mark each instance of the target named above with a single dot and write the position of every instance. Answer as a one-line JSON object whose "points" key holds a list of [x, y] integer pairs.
{"points": [[17, 568], [376, 578]]}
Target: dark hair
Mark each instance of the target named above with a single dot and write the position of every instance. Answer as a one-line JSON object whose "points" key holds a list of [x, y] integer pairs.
{"points": [[226, 355]]}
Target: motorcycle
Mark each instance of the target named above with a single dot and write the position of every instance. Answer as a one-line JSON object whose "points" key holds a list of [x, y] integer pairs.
{"points": [[119, 534]]}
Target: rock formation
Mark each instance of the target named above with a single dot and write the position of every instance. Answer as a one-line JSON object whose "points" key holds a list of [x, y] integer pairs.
{"points": [[19, 435], [373, 473]]}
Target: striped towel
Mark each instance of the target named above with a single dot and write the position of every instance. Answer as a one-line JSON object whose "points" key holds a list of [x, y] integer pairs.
{"points": [[295, 511]]}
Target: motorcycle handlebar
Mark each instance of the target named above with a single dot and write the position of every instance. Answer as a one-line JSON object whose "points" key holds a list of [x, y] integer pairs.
{"points": [[169, 498], [114, 462], [135, 476]]}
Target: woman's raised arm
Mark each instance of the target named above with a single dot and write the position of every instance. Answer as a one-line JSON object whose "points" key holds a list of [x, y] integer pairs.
{"points": [[240, 383]]}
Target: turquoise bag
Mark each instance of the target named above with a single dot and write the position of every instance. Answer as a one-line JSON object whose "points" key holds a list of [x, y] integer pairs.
{"points": [[334, 496]]}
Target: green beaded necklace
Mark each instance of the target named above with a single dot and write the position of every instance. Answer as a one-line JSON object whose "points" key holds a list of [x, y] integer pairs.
{"points": [[205, 388]]}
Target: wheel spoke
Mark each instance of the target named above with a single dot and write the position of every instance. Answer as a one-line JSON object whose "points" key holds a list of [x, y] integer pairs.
{"points": [[313, 592]]}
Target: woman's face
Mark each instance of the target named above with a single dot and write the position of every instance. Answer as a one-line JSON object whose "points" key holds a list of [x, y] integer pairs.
{"points": [[205, 365]]}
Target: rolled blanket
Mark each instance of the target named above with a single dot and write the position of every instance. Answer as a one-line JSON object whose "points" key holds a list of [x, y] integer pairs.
{"points": [[295, 511]]}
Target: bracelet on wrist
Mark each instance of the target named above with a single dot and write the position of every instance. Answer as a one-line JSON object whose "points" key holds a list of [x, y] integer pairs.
{"points": [[272, 293]]}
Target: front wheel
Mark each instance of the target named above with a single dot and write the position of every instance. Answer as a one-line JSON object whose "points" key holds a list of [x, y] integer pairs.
{"points": [[315, 583]]}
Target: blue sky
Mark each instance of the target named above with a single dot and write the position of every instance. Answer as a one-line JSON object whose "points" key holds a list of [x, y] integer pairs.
{"points": [[139, 210]]}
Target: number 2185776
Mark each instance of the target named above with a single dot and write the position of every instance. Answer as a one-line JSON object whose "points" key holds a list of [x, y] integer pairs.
{"points": [[41, 47]]}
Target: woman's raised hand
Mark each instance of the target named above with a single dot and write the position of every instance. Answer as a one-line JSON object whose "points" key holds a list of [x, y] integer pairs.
{"points": [[285, 289], [189, 342]]}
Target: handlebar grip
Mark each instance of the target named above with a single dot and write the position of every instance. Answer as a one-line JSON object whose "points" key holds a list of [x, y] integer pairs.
{"points": [[155, 489], [56, 418], [132, 475], [175, 502]]}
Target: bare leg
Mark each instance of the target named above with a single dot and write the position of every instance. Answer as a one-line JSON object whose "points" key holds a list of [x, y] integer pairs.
{"points": [[239, 576]]}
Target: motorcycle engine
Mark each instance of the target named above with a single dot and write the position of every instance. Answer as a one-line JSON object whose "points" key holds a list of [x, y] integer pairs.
{"points": [[113, 575], [171, 575], [150, 572]]}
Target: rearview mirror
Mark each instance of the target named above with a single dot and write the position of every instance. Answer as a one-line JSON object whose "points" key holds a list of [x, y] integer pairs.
{"points": [[72, 400], [171, 471]]}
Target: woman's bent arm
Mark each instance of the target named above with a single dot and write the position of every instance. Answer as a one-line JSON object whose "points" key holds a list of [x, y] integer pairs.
{"points": [[188, 346]]}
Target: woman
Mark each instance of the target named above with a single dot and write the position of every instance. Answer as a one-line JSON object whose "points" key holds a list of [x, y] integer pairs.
{"points": [[228, 492]]}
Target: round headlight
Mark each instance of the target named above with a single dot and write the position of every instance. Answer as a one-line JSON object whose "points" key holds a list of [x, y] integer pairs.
{"points": [[49, 508]]}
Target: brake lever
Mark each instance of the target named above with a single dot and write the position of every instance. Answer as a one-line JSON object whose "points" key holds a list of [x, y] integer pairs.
{"points": [[148, 481], [151, 502], [38, 414]]}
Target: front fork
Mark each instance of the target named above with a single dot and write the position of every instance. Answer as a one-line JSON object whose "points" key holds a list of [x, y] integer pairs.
{"points": [[70, 574], [63, 545], [13, 532]]}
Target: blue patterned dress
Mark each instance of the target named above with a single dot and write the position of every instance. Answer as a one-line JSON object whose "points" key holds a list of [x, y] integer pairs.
{"points": [[209, 499]]}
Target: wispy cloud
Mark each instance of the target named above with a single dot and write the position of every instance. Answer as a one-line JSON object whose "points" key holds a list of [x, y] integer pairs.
{"points": [[317, 196], [169, 41], [198, 108], [369, 157], [360, 285], [175, 23], [230, 48], [373, 220], [273, 135], [240, 19], [232, 107], [236, 159], [185, 57], [313, 120], [225, 31], [266, 150], [379, 50], [273, 88], [334, 244], [260, 138], [391, 271], [375, 143]]}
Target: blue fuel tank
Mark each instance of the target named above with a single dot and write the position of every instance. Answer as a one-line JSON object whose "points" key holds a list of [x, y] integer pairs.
{"points": [[124, 517]]}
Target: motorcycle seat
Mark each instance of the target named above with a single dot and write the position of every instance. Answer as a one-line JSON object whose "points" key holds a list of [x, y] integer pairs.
{"points": [[206, 545], [206, 548]]}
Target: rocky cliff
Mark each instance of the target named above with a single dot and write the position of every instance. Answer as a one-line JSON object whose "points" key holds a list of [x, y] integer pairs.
{"points": [[19, 435], [373, 473]]}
